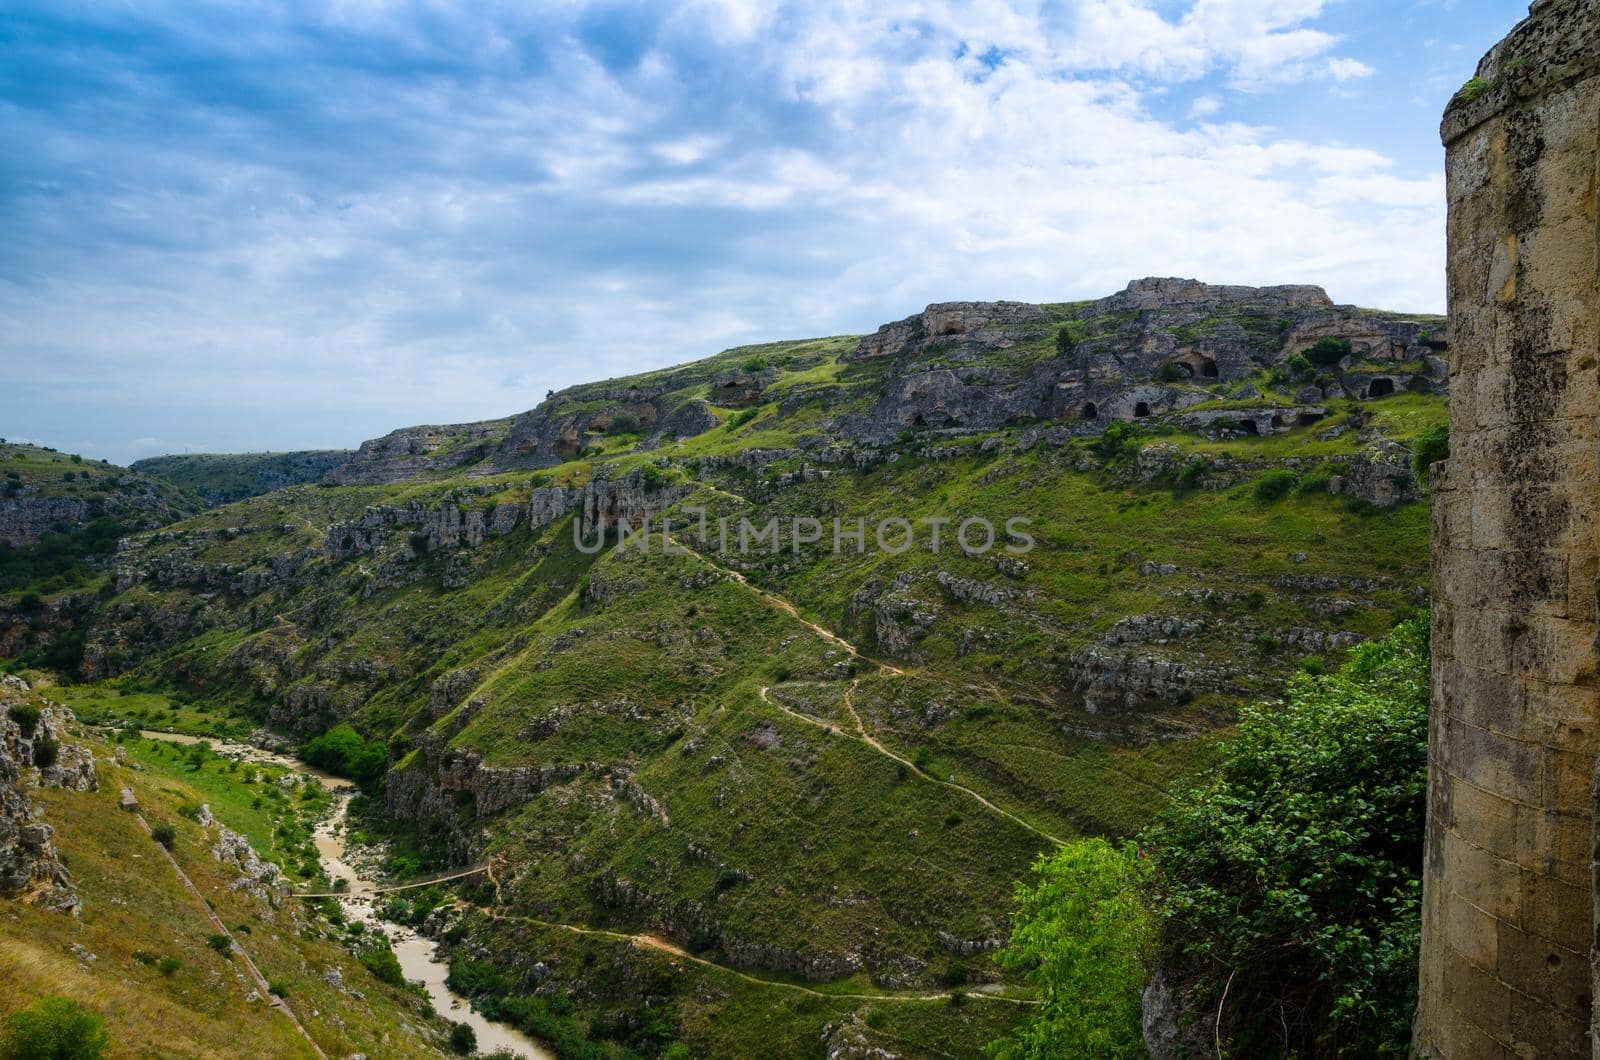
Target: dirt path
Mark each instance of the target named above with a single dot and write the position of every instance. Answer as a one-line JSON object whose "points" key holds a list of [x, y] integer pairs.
{"points": [[656, 942], [260, 980], [793, 612], [871, 741]]}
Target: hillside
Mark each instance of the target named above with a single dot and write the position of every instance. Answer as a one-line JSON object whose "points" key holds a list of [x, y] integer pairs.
{"points": [[807, 778], [116, 928], [221, 478]]}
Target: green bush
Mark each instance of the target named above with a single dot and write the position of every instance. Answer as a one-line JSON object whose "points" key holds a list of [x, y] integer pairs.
{"points": [[1119, 439], [740, 418], [221, 943], [164, 834], [1299, 365], [168, 966], [1328, 351], [53, 1028], [26, 715], [1170, 372], [384, 966], [623, 423], [755, 364], [344, 751], [1082, 933], [1291, 879], [1274, 485], [45, 751], [463, 1039], [1432, 446], [1193, 470]]}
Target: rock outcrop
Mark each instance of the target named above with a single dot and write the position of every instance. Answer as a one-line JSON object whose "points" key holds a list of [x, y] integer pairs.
{"points": [[31, 747]]}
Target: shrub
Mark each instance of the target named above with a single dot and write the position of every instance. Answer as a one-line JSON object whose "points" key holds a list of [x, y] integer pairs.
{"points": [[1170, 372], [754, 364], [740, 418], [1193, 470], [1274, 485], [26, 715], [53, 1028], [1120, 438], [46, 750], [164, 834], [221, 943], [277, 987], [623, 423], [1299, 365], [1082, 933], [30, 603], [1432, 446], [463, 1039], [1328, 351], [1291, 878], [168, 966], [384, 966]]}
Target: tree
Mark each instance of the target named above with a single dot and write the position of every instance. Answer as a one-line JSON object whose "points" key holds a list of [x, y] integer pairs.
{"points": [[53, 1028], [1289, 882], [1083, 934], [463, 1039]]}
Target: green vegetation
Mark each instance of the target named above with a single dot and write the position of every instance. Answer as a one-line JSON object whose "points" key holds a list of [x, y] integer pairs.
{"points": [[1083, 934], [1292, 880], [53, 1028], [1431, 446], [1328, 351], [1274, 485], [164, 834], [344, 752], [1285, 890]]}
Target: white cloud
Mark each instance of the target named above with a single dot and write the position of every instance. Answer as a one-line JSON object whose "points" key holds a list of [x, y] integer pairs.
{"points": [[1204, 106], [1343, 69]]}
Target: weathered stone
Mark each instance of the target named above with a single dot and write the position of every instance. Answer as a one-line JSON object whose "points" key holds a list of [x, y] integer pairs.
{"points": [[1515, 716]]}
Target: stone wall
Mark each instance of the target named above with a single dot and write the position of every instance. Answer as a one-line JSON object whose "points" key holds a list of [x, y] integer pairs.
{"points": [[1508, 898]]}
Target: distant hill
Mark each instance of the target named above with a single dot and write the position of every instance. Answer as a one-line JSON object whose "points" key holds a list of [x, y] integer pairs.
{"points": [[221, 478]]}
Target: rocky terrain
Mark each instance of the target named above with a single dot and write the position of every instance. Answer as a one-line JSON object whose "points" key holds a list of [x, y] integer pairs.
{"points": [[796, 762], [33, 752], [224, 478], [44, 492]]}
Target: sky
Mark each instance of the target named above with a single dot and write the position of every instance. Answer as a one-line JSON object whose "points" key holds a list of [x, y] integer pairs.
{"points": [[236, 228]]}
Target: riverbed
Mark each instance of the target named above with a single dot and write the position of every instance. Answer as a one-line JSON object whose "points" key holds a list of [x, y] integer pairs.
{"points": [[419, 957]]}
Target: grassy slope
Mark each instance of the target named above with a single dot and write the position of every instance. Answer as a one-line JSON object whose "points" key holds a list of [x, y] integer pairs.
{"points": [[780, 833], [133, 902]]}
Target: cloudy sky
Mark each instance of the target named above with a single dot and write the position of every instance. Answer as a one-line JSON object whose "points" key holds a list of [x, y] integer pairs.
{"points": [[293, 226]]}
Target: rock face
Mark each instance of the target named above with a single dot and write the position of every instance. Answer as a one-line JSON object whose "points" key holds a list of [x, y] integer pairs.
{"points": [[1509, 892], [222, 479], [30, 867], [1154, 348], [417, 452]]}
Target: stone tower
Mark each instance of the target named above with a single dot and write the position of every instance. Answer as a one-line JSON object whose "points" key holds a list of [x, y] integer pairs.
{"points": [[1509, 888]]}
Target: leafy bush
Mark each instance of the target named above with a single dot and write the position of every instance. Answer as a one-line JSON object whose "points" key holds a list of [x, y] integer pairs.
{"points": [[1291, 879], [740, 418], [384, 966], [1082, 933], [1432, 446], [343, 751], [1274, 485], [1120, 438], [46, 750], [1170, 372], [463, 1039], [1193, 470], [53, 1028], [168, 966], [1328, 351], [220, 943], [755, 364], [1298, 365], [623, 423], [26, 715], [164, 834]]}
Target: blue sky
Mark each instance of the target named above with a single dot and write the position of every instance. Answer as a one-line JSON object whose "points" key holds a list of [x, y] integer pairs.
{"points": [[294, 226]]}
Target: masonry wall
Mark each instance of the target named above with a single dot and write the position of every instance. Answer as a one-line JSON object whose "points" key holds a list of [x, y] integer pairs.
{"points": [[1509, 889]]}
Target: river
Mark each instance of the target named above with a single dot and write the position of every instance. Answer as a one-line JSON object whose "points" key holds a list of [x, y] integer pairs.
{"points": [[419, 956]]}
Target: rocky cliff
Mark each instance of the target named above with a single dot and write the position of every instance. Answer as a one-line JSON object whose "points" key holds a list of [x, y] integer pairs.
{"points": [[33, 751]]}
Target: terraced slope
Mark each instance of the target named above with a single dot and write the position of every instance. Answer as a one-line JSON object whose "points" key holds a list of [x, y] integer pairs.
{"points": [[776, 797]]}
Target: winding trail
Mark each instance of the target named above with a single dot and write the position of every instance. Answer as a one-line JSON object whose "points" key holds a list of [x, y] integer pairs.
{"points": [[645, 940], [871, 741]]}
